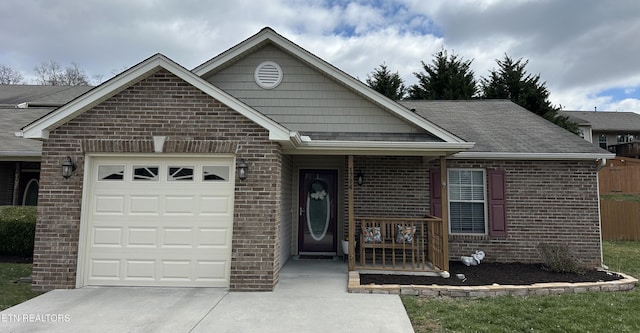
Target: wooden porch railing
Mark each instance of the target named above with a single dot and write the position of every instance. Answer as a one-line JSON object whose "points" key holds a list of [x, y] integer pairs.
{"points": [[401, 244]]}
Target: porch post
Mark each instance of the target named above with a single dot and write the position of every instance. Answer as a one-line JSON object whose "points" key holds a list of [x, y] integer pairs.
{"points": [[352, 224], [445, 213]]}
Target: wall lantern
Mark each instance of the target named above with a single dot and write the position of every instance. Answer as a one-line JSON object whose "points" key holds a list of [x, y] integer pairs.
{"points": [[360, 178], [243, 169], [68, 167]]}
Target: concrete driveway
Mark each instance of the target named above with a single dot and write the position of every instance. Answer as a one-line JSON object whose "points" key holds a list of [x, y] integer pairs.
{"points": [[311, 297]]}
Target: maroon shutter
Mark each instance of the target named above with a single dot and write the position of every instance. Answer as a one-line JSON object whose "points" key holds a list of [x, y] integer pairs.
{"points": [[497, 204], [436, 192]]}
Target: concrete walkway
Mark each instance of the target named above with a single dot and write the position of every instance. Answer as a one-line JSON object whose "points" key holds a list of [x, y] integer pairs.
{"points": [[311, 297]]}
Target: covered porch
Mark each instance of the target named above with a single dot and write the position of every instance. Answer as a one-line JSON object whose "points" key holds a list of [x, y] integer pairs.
{"points": [[396, 240]]}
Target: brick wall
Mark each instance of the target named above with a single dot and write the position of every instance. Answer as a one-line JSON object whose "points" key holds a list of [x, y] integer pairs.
{"points": [[161, 104], [393, 186], [551, 201], [547, 201]]}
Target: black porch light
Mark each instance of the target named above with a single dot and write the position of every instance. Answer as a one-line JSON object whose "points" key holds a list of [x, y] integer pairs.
{"points": [[243, 169], [68, 167], [360, 178]]}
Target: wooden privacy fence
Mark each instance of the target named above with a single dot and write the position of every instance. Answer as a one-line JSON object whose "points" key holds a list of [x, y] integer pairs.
{"points": [[620, 220], [619, 179]]}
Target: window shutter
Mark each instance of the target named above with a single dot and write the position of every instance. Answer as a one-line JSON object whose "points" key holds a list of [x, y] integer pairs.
{"points": [[436, 192], [497, 204]]}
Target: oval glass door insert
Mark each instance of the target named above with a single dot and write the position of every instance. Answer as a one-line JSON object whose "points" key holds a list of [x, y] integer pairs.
{"points": [[318, 209]]}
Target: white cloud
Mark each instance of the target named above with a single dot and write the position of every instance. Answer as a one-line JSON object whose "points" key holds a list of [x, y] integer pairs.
{"points": [[579, 51]]}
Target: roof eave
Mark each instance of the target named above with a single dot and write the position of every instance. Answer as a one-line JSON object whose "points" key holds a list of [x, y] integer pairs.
{"points": [[304, 145]]}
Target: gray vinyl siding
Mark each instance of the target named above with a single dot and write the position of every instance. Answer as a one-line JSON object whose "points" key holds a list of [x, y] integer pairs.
{"points": [[305, 100], [286, 209]]}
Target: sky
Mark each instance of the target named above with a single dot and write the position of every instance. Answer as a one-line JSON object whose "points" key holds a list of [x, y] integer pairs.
{"points": [[587, 51]]}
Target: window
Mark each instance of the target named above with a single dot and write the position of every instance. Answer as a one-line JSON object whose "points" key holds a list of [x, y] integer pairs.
{"points": [[180, 173], [145, 173], [111, 172], [602, 141], [467, 201], [620, 138], [215, 173]]}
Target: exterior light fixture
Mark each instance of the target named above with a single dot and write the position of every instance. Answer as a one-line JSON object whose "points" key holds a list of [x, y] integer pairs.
{"points": [[360, 178], [68, 167], [243, 169]]}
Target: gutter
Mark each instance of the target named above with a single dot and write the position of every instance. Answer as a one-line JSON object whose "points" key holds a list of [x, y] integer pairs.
{"points": [[530, 156], [305, 145]]}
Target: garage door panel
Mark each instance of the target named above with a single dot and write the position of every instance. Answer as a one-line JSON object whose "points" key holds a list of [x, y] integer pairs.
{"points": [[144, 205], [184, 205], [215, 205], [178, 237], [175, 270], [209, 270], [107, 237], [163, 230], [104, 269], [211, 237], [109, 205], [136, 269], [142, 237]]}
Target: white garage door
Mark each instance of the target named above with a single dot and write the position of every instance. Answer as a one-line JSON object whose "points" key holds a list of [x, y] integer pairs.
{"points": [[159, 221]]}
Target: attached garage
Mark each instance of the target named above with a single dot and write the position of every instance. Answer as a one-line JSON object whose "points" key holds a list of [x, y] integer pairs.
{"points": [[157, 221]]}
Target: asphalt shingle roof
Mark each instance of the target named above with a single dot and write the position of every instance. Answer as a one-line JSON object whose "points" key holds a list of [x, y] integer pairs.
{"points": [[500, 126], [607, 120], [40, 101], [37, 95], [12, 120]]}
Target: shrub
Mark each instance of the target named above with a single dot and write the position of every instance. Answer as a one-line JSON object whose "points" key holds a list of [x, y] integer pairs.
{"points": [[17, 230], [559, 258]]}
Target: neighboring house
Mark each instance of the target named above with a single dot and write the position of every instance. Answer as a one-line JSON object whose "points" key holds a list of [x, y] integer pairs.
{"points": [[20, 159], [217, 176], [618, 132]]}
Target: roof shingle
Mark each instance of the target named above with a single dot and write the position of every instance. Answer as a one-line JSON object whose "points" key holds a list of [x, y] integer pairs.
{"points": [[501, 126]]}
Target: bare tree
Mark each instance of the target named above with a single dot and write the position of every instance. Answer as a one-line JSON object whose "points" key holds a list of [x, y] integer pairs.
{"points": [[9, 75], [50, 73]]}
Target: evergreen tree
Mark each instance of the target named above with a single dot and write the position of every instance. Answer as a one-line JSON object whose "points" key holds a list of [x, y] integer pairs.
{"points": [[447, 77], [511, 81], [386, 83]]}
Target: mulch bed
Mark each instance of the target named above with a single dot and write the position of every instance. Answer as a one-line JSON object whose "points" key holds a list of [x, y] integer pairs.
{"points": [[490, 273]]}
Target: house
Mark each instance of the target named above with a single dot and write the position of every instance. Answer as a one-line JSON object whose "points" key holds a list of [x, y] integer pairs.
{"points": [[20, 159], [619, 132], [217, 176]]}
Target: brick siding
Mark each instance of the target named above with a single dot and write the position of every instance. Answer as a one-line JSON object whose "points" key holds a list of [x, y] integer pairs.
{"points": [[550, 201], [161, 104]]}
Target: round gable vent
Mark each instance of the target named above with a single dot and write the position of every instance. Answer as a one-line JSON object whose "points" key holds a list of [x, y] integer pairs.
{"points": [[268, 75]]}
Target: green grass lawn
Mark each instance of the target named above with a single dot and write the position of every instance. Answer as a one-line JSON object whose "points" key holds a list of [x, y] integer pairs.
{"points": [[588, 312], [12, 293]]}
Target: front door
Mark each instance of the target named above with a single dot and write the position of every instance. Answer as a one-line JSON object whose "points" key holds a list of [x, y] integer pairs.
{"points": [[317, 222]]}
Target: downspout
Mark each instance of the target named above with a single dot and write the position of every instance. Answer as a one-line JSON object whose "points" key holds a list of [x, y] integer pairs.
{"points": [[600, 164]]}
